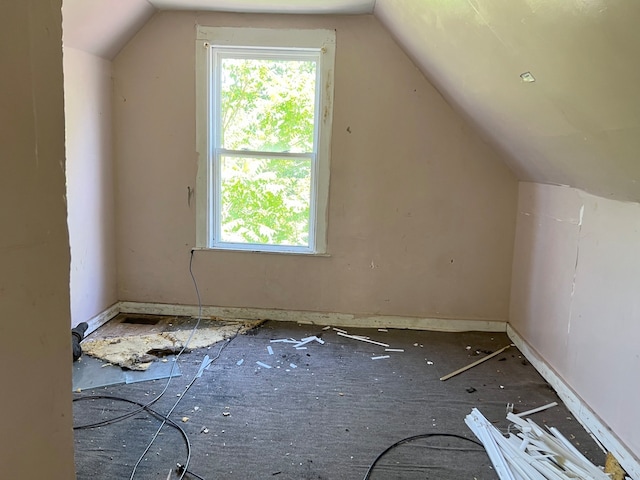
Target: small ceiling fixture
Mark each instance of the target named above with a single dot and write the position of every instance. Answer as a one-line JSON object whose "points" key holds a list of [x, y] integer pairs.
{"points": [[527, 77]]}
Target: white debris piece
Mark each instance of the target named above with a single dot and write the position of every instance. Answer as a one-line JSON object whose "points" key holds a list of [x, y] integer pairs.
{"points": [[354, 337], [284, 340], [394, 349], [240, 362], [269, 349], [306, 340], [293, 365], [379, 357], [383, 330], [263, 365], [533, 453], [535, 410]]}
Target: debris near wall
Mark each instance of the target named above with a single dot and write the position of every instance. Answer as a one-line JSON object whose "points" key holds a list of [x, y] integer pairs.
{"points": [[137, 352], [532, 453]]}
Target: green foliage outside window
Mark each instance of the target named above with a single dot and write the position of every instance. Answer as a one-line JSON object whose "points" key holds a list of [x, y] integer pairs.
{"points": [[267, 107]]}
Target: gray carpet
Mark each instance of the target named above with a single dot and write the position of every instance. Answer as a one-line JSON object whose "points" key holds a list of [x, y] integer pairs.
{"points": [[328, 418]]}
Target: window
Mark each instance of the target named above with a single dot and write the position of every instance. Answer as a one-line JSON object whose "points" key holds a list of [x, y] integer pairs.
{"points": [[264, 111]]}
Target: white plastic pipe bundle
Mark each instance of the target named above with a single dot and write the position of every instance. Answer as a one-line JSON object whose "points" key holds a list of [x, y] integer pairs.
{"points": [[532, 453]]}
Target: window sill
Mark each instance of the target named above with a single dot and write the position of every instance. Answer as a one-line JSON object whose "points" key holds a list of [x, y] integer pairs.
{"points": [[267, 252]]}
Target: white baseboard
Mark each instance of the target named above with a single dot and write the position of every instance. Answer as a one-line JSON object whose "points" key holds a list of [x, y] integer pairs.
{"points": [[574, 403], [578, 408], [103, 317], [318, 318]]}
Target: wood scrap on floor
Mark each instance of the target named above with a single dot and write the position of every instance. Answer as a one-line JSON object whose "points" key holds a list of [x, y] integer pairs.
{"points": [[137, 352]]}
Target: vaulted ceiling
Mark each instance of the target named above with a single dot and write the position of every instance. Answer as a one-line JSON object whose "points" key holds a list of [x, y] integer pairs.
{"points": [[552, 84]]}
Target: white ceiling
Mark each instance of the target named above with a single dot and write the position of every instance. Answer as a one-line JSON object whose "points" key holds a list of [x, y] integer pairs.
{"points": [[578, 124], [268, 6], [103, 27]]}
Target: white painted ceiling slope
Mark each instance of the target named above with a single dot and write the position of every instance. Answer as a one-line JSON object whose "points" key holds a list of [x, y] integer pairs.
{"points": [[578, 124]]}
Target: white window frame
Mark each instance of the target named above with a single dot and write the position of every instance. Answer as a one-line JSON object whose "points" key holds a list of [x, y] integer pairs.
{"points": [[206, 195]]}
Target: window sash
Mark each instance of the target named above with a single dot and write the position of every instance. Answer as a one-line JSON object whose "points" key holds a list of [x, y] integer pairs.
{"points": [[263, 41]]}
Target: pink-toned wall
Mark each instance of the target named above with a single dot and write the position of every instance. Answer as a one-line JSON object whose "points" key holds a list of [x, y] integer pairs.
{"points": [[421, 211], [37, 439], [575, 297], [88, 88]]}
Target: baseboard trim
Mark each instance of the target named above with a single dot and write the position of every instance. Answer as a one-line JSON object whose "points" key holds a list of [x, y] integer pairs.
{"points": [[578, 408], [103, 317], [318, 318], [574, 403]]}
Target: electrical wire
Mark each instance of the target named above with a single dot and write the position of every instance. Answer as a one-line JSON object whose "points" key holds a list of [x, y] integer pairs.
{"points": [[175, 361], [155, 435], [412, 438], [147, 406], [182, 395]]}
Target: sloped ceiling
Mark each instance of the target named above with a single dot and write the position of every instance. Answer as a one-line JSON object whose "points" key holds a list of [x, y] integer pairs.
{"points": [[577, 124], [102, 27]]}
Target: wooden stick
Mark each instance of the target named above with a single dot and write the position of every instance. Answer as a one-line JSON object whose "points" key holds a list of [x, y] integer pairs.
{"points": [[536, 410], [477, 362], [362, 339]]}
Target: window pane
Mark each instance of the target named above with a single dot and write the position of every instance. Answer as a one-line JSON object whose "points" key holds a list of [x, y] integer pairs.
{"points": [[265, 200], [267, 105]]}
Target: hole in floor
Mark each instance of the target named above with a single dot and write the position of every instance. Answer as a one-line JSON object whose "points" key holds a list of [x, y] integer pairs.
{"points": [[141, 320]]}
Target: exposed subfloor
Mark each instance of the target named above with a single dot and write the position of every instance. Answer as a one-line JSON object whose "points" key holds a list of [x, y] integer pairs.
{"points": [[328, 417]]}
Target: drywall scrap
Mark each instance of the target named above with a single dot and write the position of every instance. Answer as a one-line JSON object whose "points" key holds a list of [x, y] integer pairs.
{"points": [[532, 453], [137, 352]]}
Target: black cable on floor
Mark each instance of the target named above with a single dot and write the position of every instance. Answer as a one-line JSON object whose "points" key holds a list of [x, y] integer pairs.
{"points": [[175, 361], [412, 438], [144, 407]]}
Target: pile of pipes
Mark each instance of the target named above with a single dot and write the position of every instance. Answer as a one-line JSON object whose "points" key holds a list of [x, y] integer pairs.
{"points": [[531, 453]]}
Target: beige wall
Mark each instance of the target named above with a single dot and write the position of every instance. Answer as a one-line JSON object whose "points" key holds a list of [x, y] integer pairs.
{"points": [[575, 296], [87, 84], [37, 439], [421, 211]]}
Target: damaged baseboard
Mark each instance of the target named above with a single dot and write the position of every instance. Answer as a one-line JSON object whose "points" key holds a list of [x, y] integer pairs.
{"points": [[103, 317], [578, 408], [318, 318]]}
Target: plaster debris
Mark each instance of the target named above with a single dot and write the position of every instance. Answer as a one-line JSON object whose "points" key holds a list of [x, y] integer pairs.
{"points": [[394, 349], [380, 357], [263, 365], [383, 330], [269, 349], [240, 362], [137, 352]]}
